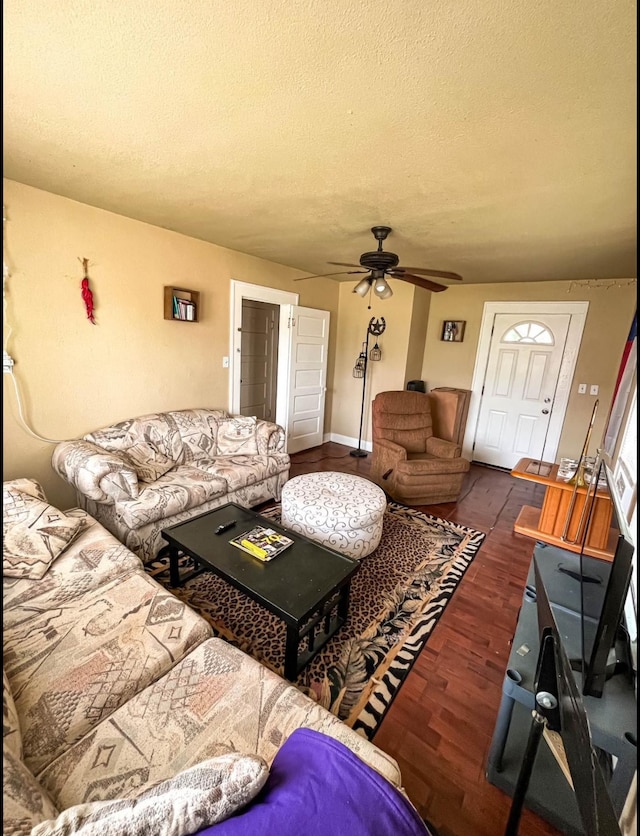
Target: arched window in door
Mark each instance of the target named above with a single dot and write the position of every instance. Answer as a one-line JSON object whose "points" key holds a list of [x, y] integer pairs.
{"points": [[529, 332]]}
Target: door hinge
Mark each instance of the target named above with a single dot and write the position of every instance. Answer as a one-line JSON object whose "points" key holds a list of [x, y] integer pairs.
{"points": [[482, 393], [473, 446], [292, 321]]}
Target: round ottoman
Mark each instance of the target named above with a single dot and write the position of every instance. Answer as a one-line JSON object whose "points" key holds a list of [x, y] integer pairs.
{"points": [[341, 511]]}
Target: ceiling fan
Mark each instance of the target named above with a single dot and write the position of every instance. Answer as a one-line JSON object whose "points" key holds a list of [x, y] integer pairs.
{"points": [[380, 264]]}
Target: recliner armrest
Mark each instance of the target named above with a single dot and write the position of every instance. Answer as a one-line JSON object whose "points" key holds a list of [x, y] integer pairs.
{"points": [[392, 450], [96, 473], [443, 449]]}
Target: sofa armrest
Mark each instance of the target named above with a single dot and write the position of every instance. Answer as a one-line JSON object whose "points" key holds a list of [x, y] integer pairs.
{"points": [[270, 438], [96, 473], [443, 449]]}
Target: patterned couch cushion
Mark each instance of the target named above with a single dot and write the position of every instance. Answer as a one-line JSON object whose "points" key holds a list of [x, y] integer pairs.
{"points": [[34, 535], [149, 463], [241, 471], [218, 699], [72, 666], [94, 558], [25, 803], [11, 737], [237, 435], [198, 430], [26, 486], [159, 429], [182, 488], [203, 795]]}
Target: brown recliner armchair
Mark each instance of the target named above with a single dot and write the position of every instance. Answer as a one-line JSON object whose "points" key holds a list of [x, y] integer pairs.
{"points": [[409, 462]]}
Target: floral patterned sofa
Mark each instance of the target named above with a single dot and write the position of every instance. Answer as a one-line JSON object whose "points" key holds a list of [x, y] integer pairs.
{"points": [[114, 689], [147, 473]]}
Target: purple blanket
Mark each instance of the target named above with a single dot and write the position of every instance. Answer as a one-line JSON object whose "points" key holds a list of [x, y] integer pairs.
{"points": [[319, 787]]}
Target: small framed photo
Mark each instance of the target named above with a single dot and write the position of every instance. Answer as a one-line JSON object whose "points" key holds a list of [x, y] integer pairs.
{"points": [[453, 330]]}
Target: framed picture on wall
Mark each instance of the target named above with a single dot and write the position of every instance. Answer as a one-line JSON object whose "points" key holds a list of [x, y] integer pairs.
{"points": [[453, 330]]}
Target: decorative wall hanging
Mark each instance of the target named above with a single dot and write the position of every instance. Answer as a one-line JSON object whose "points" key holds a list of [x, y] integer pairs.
{"points": [[87, 295], [453, 330], [375, 328]]}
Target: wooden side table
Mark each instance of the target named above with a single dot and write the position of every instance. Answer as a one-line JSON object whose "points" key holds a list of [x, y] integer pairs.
{"points": [[548, 524]]}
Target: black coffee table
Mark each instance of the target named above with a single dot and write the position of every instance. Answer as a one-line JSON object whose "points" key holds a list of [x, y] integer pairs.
{"points": [[307, 585]]}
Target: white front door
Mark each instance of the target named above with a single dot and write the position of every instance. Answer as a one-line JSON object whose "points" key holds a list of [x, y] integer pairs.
{"points": [[519, 388], [309, 341]]}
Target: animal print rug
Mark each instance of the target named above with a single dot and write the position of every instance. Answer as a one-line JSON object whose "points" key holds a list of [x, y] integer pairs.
{"points": [[397, 598]]}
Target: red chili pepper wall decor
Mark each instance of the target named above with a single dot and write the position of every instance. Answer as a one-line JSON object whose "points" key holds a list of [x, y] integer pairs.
{"points": [[87, 295]]}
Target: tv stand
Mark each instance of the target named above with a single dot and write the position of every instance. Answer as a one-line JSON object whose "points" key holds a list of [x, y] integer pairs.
{"points": [[612, 718]]}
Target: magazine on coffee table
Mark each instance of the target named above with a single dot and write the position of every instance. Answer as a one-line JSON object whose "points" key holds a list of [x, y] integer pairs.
{"points": [[263, 543]]}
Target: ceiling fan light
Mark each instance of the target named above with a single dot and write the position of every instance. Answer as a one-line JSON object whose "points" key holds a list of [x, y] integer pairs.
{"points": [[362, 288], [382, 289]]}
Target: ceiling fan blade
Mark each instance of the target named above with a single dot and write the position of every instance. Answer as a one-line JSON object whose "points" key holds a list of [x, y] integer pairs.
{"points": [[438, 274], [419, 282], [344, 264], [326, 275]]}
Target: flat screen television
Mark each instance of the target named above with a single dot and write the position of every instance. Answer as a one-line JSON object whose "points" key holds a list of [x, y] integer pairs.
{"points": [[568, 718], [607, 651]]}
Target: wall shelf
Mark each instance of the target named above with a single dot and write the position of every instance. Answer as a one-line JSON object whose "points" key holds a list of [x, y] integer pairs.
{"points": [[181, 304]]}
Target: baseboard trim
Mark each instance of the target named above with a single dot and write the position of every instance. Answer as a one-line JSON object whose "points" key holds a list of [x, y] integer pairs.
{"points": [[348, 441]]}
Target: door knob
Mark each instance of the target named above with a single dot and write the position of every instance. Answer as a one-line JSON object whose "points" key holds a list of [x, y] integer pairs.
{"points": [[545, 411]]}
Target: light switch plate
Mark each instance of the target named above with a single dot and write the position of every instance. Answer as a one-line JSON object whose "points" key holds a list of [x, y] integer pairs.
{"points": [[582, 388], [594, 389], [225, 362]]}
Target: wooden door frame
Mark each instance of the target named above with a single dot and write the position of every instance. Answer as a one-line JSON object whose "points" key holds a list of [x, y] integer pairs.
{"points": [[282, 298], [578, 313]]}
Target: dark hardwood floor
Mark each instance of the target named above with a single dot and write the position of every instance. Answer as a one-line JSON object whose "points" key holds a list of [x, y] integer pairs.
{"points": [[440, 724]]}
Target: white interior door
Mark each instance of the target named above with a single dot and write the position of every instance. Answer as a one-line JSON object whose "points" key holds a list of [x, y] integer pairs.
{"points": [[259, 359], [309, 342], [240, 293], [519, 389], [301, 376]]}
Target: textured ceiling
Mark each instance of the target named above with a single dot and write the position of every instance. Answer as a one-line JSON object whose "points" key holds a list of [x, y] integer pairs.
{"points": [[496, 137]]}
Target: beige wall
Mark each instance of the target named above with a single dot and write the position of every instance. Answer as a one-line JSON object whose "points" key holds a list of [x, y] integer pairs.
{"points": [[74, 376], [417, 334], [388, 373], [609, 318]]}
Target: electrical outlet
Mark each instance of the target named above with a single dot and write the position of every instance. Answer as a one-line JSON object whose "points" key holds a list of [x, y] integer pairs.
{"points": [[7, 363], [594, 389], [225, 362], [582, 388]]}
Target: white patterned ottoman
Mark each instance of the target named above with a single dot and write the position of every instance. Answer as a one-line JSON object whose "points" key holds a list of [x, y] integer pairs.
{"points": [[341, 511]]}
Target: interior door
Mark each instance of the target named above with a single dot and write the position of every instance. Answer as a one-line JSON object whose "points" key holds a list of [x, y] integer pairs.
{"points": [[309, 343], [259, 359], [521, 377]]}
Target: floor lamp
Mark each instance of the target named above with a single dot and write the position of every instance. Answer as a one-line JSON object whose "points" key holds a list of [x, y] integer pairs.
{"points": [[375, 328]]}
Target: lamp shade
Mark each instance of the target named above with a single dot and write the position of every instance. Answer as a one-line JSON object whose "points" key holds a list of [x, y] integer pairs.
{"points": [[362, 288], [382, 289]]}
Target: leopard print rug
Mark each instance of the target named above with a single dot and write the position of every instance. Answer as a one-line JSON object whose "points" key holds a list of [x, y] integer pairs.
{"points": [[397, 598]]}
